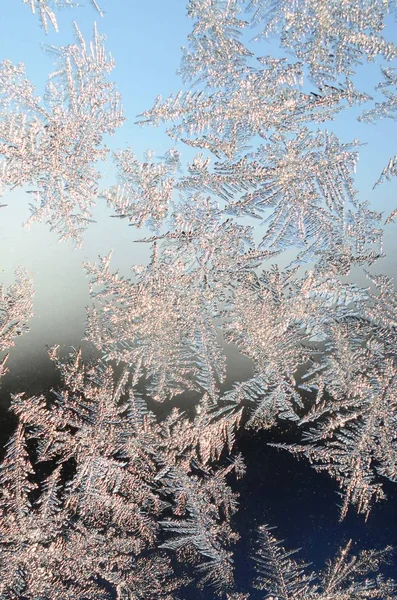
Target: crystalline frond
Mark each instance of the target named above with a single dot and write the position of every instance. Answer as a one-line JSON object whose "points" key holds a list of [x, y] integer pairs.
{"points": [[203, 531], [273, 319], [16, 307], [15, 472], [160, 322], [385, 110], [224, 119], [306, 181], [346, 576], [388, 108], [145, 190], [267, 325], [45, 10], [380, 307], [353, 421], [329, 37], [215, 53], [209, 435], [278, 573], [302, 187], [116, 471], [211, 245], [300, 181], [237, 96], [53, 145], [388, 172], [164, 320]]}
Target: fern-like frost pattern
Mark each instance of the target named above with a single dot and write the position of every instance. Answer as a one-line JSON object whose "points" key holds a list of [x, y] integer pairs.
{"points": [[108, 489]]}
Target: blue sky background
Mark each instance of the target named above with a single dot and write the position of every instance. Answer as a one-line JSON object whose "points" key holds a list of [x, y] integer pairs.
{"points": [[145, 38]]}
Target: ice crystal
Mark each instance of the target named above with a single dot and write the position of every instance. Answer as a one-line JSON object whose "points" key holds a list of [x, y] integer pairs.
{"points": [[163, 319], [16, 307], [114, 473], [102, 498], [307, 181], [94, 490], [355, 415], [53, 145], [388, 108], [329, 37], [145, 191], [283, 577], [161, 324], [388, 172], [225, 119], [385, 110], [46, 10]]}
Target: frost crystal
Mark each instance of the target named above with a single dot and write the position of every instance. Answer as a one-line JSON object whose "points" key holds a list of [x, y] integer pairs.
{"points": [[385, 110], [94, 520], [53, 145], [101, 498], [161, 324], [16, 308], [45, 10], [284, 577], [330, 37], [354, 418], [145, 190]]}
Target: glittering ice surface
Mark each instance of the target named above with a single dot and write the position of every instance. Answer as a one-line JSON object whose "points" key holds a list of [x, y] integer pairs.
{"points": [[120, 483]]}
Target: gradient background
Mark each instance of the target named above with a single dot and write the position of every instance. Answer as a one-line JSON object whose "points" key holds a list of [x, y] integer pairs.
{"points": [[145, 38]]}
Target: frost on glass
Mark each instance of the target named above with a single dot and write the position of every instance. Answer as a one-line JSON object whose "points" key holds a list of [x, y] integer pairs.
{"points": [[145, 190], [353, 423], [54, 144], [99, 517], [210, 280], [46, 10], [160, 324], [350, 429], [329, 37], [385, 110], [255, 236], [347, 576], [16, 308]]}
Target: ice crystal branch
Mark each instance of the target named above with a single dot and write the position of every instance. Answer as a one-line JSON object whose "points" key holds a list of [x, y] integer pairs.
{"points": [[354, 419], [346, 577], [54, 144], [16, 308], [278, 573], [225, 120], [46, 10], [385, 110], [113, 475], [329, 37], [164, 318], [160, 323], [307, 181], [145, 189]]}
